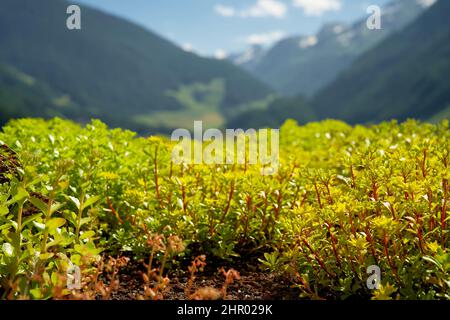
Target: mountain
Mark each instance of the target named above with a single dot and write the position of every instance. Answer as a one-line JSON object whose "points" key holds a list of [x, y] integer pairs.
{"points": [[302, 65], [23, 96], [274, 114], [111, 68], [405, 76], [250, 58]]}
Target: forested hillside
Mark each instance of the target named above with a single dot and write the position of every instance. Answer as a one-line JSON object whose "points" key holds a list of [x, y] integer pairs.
{"points": [[111, 68], [302, 65], [406, 76]]}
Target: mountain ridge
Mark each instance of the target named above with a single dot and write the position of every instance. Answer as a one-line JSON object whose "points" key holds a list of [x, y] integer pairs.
{"points": [[405, 76], [302, 65], [111, 68]]}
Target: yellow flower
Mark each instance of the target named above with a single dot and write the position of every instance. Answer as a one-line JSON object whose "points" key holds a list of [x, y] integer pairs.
{"points": [[359, 243], [385, 225], [153, 139], [433, 246], [109, 175], [384, 292]]}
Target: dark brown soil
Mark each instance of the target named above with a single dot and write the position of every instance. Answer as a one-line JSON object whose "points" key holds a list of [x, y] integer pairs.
{"points": [[9, 164], [253, 285]]}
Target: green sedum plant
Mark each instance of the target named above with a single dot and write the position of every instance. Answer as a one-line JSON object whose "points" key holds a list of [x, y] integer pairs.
{"points": [[345, 198]]}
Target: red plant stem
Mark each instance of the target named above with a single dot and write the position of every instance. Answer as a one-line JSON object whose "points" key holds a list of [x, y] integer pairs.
{"points": [[305, 197], [322, 265], [444, 213], [372, 247], [297, 191], [375, 196], [353, 177], [375, 190], [333, 242], [318, 195], [386, 249], [391, 265], [278, 208], [330, 198], [420, 236], [424, 164], [116, 214], [432, 221], [304, 283], [227, 208], [352, 224]]}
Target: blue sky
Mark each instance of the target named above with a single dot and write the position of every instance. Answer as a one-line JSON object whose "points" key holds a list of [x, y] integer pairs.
{"points": [[211, 27]]}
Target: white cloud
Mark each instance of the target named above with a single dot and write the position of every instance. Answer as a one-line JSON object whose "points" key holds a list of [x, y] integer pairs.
{"points": [[225, 11], [426, 3], [265, 38], [317, 7], [307, 42], [187, 47], [265, 8], [262, 8], [220, 54]]}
